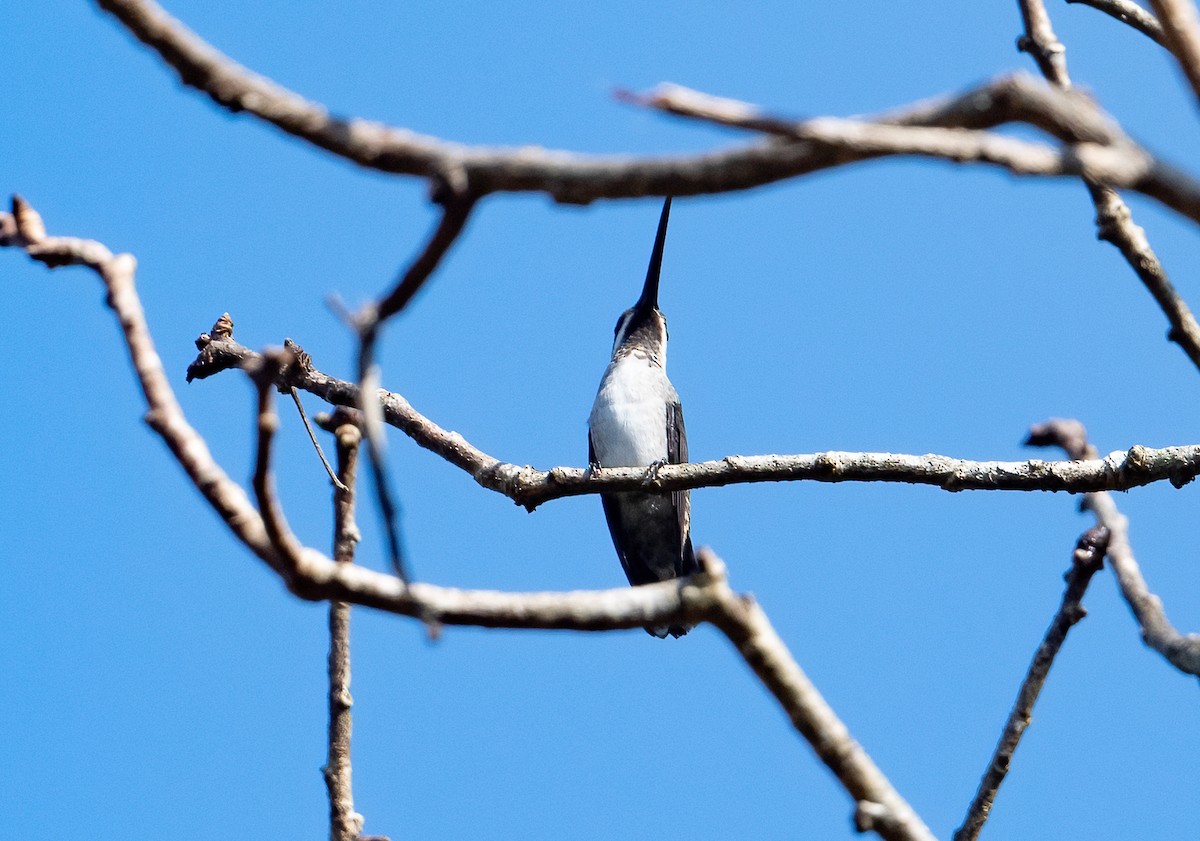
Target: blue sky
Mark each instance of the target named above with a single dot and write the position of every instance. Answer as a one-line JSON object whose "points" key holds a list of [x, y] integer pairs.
{"points": [[160, 682]]}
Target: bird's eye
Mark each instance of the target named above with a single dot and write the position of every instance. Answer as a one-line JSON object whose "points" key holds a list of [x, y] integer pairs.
{"points": [[617, 326]]}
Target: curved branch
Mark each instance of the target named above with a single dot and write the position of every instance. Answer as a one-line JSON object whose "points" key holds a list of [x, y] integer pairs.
{"points": [[23, 229], [1180, 24], [576, 178], [1131, 13]]}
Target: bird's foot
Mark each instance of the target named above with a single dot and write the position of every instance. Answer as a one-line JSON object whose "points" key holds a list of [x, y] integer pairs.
{"points": [[650, 477]]}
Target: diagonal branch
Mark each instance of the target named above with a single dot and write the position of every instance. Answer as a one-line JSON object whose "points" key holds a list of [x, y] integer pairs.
{"points": [[23, 229], [1114, 222], [1180, 650], [531, 487], [1181, 35], [574, 178], [1086, 561], [1131, 13], [456, 207]]}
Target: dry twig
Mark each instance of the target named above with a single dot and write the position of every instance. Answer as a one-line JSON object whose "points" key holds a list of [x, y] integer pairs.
{"points": [[456, 208], [1131, 13], [345, 823], [1114, 222], [1180, 650], [1086, 560], [576, 178], [1040, 42], [1180, 24]]}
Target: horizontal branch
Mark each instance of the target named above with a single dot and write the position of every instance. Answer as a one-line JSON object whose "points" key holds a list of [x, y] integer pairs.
{"points": [[531, 487], [576, 178], [1069, 116]]}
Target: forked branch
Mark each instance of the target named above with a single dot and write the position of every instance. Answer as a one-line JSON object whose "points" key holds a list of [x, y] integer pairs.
{"points": [[1180, 650]]}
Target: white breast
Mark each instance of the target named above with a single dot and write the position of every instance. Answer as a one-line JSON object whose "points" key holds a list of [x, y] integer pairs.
{"points": [[628, 422]]}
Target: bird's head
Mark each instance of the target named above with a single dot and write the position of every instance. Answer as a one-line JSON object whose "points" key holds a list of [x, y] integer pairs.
{"points": [[643, 326]]}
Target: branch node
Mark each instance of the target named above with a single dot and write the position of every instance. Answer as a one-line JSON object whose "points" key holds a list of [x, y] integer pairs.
{"points": [[1090, 550], [870, 816]]}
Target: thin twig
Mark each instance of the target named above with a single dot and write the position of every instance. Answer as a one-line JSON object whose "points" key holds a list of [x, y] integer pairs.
{"points": [[1086, 560], [457, 204], [1181, 34], [283, 541], [1018, 97], [1114, 222], [1040, 42], [575, 178], [1131, 13], [1180, 650], [337, 483], [531, 487], [456, 209], [345, 823], [368, 375]]}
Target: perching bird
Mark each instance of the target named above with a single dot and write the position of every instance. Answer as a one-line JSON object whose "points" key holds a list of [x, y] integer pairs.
{"points": [[637, 421]]}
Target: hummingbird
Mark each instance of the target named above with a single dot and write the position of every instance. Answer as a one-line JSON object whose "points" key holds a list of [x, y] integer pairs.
{"points": [[637, 421]]}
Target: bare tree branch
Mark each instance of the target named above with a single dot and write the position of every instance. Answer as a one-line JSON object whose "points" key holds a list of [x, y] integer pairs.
{"points": [[1114, 222], [456, 209], [345, 823], [1086, 560], [1181, 35], [531, 487], [1131, 13], [368, 376], [1066, 115], [333, 477], [164, 414], [284, 543], [1180, 650], [1040, 42], [580, 178]]}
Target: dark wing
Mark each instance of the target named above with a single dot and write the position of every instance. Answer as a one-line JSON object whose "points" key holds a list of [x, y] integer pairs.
{"points": [[677, 453], [612, 514]]}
